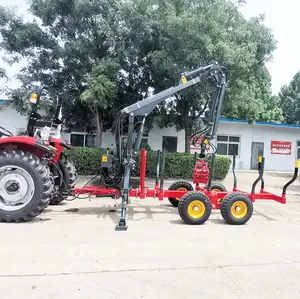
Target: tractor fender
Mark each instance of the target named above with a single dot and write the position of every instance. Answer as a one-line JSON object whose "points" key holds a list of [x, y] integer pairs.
{"points": [[28, 141]]}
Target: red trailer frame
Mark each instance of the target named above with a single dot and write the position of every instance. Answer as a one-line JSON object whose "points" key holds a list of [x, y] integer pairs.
{"points": [[215, 197]]}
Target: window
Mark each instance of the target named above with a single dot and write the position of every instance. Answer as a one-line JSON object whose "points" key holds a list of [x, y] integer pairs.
{"points": [[228, 145], [77, 139], [298, 150], [169, 144], [90, 140]]}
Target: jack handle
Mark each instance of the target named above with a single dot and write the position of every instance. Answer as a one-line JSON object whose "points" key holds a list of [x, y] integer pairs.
{"points": [[292, 180], [261, 166]]}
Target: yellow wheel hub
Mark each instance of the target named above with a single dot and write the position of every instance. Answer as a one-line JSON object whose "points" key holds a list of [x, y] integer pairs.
{"points": [[239, 209], [196, 209], [181, 189]]}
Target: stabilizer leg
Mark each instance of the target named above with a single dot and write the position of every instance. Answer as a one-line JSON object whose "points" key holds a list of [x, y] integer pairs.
{"points": [[122, 222]]}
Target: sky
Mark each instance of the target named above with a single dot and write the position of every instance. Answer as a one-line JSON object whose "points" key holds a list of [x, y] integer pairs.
{"points": [[282, 16]]}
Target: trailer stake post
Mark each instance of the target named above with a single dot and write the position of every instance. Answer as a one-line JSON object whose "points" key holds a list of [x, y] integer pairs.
{"points": [[262, 169], [212, 172], [143, 173], [260, 173], [292, 180], [163, 163], [234, 174], [157, 168]]}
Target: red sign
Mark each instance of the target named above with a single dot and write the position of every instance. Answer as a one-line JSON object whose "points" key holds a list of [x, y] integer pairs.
{"points": [[281, 147], [197, 144]]}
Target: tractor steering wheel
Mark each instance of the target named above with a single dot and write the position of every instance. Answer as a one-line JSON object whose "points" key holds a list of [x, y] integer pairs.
{"points": [[5, 132]]}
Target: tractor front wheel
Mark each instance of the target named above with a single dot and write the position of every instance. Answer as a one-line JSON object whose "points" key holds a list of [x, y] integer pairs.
{"points": [[64, 174], [25, 186]]}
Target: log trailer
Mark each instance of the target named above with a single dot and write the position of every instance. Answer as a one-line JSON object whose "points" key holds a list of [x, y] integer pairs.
{"points": [[194, 206]]}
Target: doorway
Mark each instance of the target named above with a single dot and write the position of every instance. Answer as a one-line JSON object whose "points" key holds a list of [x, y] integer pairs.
{"points": [[256, 151]]}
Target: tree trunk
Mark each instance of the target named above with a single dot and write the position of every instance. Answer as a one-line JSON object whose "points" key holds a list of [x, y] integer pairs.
{"points": [[187, 130], [188, 134], [99, 128]]}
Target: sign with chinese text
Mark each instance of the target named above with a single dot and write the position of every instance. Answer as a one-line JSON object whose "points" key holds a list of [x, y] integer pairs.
{"points": [[197, 144], [281, 147]]}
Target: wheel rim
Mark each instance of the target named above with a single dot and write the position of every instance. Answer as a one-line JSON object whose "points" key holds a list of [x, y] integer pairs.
{"points": [[181, 189], [239, 209], [196, 209], [16, 188]]}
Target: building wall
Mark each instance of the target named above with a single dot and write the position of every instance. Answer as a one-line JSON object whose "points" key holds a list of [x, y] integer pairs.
{"points": [[246, 133], [11, 120], [263, 133], [14, 122]]}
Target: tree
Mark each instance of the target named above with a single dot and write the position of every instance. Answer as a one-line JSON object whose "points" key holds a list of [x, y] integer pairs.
{"points": [[64, 43], [152, 42], [289, 96], [172, 36], [101, 92]]}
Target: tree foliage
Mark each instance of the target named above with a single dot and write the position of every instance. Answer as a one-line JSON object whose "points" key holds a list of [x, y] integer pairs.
{"points": [[71, 44], [170, 37], [289, 96]]}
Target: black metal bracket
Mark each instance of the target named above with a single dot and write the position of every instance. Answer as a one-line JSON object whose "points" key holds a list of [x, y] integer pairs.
{"points": [[261, 166]]}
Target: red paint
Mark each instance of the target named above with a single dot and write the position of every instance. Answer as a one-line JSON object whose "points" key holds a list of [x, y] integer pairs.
{"points": [[59, 149], [201, 172], [281, 147], [18, 139], [143, 172]]}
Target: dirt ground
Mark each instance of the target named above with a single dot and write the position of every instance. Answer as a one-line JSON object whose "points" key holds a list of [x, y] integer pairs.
{"points": [[72, 251]]}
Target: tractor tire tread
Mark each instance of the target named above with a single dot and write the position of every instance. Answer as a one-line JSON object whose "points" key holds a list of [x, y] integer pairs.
{"points": [[37, 205]]}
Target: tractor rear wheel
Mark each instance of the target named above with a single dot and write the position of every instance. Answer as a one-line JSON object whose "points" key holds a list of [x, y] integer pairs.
{"points": [[64, 178], [25, 186], [236, 208], [194, 208], [180, 186]]}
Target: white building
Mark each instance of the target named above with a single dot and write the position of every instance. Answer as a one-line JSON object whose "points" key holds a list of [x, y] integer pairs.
{"points": [[10, 119], [279, 143]]}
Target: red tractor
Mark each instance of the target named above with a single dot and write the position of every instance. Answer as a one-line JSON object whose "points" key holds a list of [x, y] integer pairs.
{"points": [[34, 172], [63, 170], [26, 183]]}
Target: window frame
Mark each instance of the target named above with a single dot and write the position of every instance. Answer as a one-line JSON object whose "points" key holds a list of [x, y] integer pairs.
{"points": [[239, 143]]}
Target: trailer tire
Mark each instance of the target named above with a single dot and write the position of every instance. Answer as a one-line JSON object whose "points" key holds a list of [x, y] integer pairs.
{"points": [[31, 181], [236, 208], [69, 180], [179, 185], [216, 186], [194, 208]]}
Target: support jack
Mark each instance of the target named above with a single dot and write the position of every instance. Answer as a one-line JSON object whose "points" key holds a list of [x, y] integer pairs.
{"points": [[121, 226]]}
